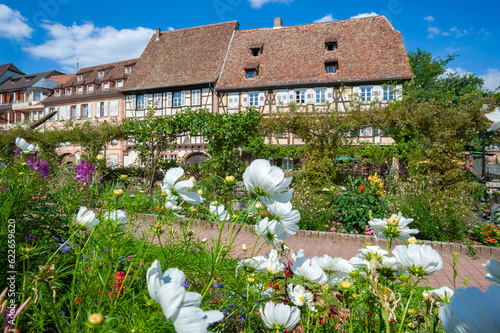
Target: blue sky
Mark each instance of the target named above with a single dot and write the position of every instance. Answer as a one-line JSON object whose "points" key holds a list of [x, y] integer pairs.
{"points": [[52, 34]]}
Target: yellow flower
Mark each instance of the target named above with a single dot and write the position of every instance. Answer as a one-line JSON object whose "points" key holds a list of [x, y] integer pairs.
{"points": [[96, 320], [230, 180], [123, 177], [118, 192], [412, 240], [346, 285], [99, 158], [200, 192]]}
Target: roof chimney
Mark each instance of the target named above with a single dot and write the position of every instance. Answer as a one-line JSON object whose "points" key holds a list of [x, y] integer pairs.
{"points": [[277, 22], [158, 30]]}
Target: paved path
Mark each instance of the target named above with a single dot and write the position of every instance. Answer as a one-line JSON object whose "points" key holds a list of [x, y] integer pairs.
{"points": [[347, 246]]}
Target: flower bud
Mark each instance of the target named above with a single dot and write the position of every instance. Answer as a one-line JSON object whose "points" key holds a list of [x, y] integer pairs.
{"points": [[192, 208], [230, 180], [244, 247], [346, 285], [411, 311], [192, 180], [24, 164], [118, 192], [258, 205], [200, 192], [99, 158], [251, 280], [412, 240], [123, 177], [96, 320], [204, 240]]}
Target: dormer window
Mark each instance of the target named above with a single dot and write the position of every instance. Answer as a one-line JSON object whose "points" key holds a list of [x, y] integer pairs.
{"points": [[251, 73], [256, 51], [79, 78], [79, 90], [90, 88], [105, 86], [68, 91], [331, 67], [330, 46], [128, 70], [58, 93], [119, 84], [100, 75]]}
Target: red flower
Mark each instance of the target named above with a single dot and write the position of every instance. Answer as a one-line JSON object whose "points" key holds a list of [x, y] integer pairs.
{"points": [[362, 187]]}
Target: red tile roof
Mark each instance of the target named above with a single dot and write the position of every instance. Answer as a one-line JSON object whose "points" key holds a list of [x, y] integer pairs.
{"points": [[369, 49], [90, 75], [182, 57], [61, 78]]}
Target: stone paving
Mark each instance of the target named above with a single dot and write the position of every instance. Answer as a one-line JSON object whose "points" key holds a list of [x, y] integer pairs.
{"points": [[346, 246]]}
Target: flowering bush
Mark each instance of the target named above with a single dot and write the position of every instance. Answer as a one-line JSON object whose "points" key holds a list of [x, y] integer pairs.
{"points": [[488, 234]]}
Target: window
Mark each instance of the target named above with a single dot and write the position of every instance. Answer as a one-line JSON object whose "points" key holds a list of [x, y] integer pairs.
{"points": [[78, 78], [256, 51], [330, 46], [102, 109], [366, 131], [37, 95], [79, 90], [54, 117], [282, 135], [128, 70], [157, 101], [300, 96], [90, 88], [100, 75], [141, 102], [74, 114], [388, 93], [287, 163], [173, 157], [233, 100], [68, 91], [320, 96], [85, 111], [105, 86], [196, 97], [251, 73], [331, 67], [113, 108], [58, 93], [366, 94], [254, 98], [113, 161], [35, 116], [177, 99], [119, 84]]}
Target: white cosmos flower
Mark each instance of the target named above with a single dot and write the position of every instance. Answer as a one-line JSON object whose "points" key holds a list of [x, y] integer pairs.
{"points": [[218, 211], [472, 311], [117, 216], [337, 269], [250, 265], [24, 146], [193, 319], [86, 219], [156, 278], [180, 189], [267, 182], [359, 263], [272, 231], [280, 317], [299, 296], [296, 255], [396, 227], [389, 265], [273, 263], [371, 252], [442, 295], [495, 118], [283, 213], [493, 269], [418, 259], [309, 271]]}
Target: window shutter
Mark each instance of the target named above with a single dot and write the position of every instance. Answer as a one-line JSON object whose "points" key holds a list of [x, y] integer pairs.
{"points": [[145, 101], [291, 96], [398, 92], [246, 100], [233, 100], [329, 95], [310, 96], [385, 132], [377, 93], [279, 97], [375, 131], [105, 109], [89, 112], [114, 108], [68, 112], [169, 99], [78, 111], [284, 96], [356, 92], [355, 133], [183, 98], [262, 98]]}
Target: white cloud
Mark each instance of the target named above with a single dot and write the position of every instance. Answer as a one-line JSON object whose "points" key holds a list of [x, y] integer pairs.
{"points": [[362, 15], [434, 31], [89, 45], [429, 18], [12, 24], [327, 18], [256, 4], [459, 33], [170, 29], [491, 78], [457, 70]]}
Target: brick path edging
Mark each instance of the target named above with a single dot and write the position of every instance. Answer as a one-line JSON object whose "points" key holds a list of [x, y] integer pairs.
{"points": [[481, 250]]}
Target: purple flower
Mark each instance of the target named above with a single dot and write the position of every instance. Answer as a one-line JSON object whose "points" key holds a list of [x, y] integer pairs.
{"points": [[86, 173], [32, 238], [38, 164]]}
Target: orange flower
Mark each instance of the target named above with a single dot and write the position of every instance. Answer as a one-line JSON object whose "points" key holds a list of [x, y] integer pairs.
{"points": [[362, 187], [493, 241], [488, 239], [495, 231]]}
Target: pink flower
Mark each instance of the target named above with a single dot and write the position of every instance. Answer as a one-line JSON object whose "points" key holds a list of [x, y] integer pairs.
{"points": [[326, 225], [332, 229], [153, 132]]}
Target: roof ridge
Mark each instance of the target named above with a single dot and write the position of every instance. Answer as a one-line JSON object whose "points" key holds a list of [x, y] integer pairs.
{"points": [[107, 64], [200, 26]]}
